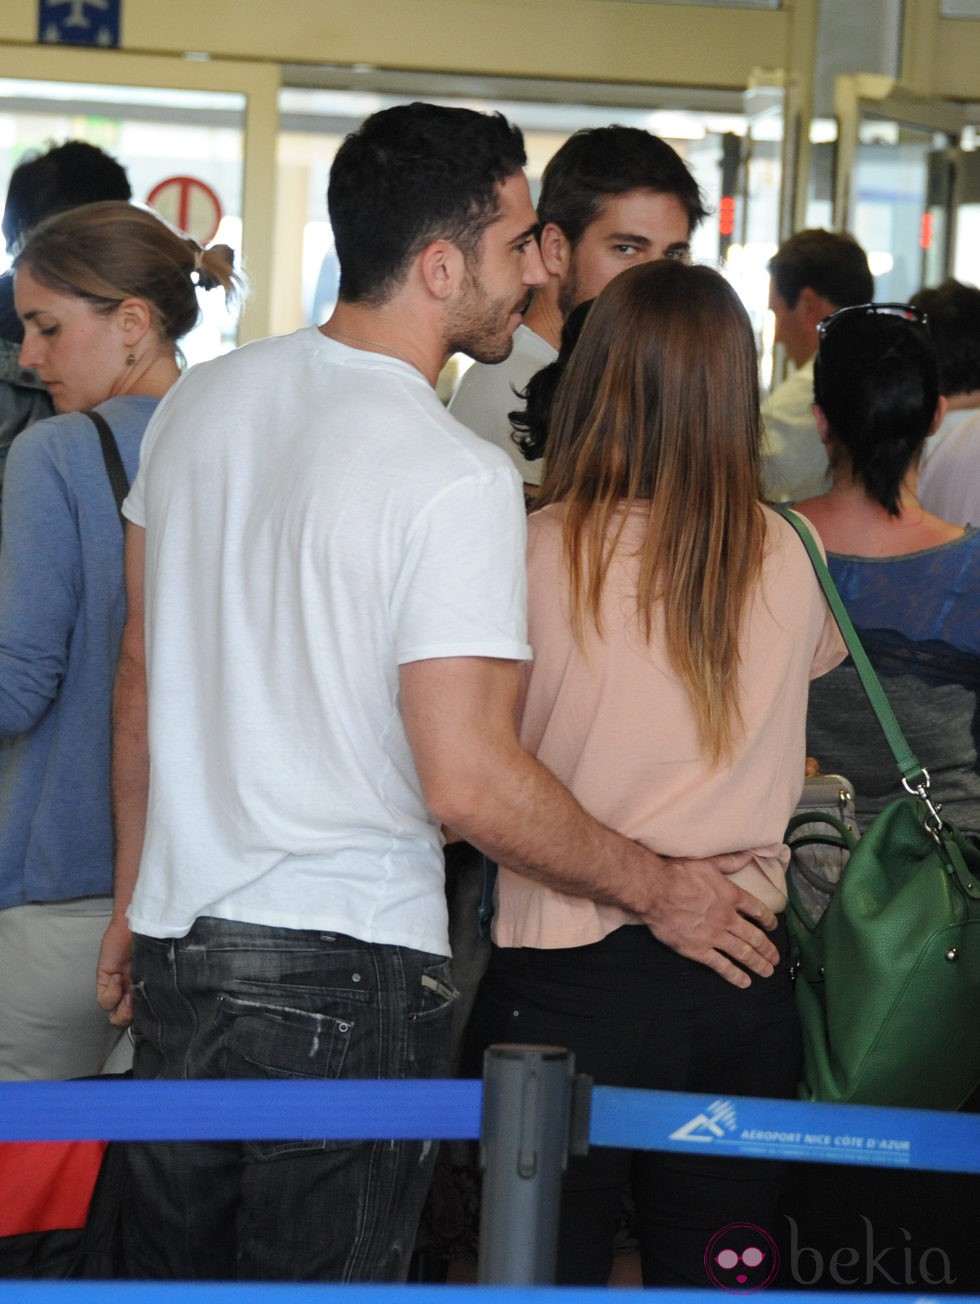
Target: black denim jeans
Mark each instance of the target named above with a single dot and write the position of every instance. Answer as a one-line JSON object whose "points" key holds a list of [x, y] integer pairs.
{"points": [[234, 1000], [636, 1014]]}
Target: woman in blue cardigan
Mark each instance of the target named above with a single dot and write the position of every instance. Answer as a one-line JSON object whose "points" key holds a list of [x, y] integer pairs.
{"points": [[910, 580], [105, 293]]}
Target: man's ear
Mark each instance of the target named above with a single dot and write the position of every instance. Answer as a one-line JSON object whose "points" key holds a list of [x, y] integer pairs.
{"points": [[556, 250], [441, 268], [135, 320], [813, 305]]}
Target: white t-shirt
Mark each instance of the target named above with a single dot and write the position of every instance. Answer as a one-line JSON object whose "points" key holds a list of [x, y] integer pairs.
{"points": [[794, 460], [314, 520], [488, 392], [949, 472]]}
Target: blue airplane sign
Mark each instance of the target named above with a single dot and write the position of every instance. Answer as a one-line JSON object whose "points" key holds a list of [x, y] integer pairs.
{"points": [[79, 22]]}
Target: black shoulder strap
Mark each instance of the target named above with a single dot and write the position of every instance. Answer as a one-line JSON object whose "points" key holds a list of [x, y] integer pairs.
{"points": [[113, 462]]}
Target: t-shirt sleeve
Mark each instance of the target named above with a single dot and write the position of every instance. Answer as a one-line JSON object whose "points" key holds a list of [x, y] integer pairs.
{"points": [[831, 649], [461, 589], [799, 597], [134, 504]]}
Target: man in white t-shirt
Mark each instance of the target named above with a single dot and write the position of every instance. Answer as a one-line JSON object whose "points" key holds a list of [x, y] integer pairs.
{"points": [[320, 666], [812, 274], [949, 471], [611, 197]]}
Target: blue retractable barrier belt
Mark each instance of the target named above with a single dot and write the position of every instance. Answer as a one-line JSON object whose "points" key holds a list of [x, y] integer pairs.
{"points": [[342, 1110], [180, 1292], [445, 1110], [785, 1129]]}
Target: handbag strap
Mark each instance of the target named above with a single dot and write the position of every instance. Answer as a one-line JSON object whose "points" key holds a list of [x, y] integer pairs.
{"points": [[113, 462], [914, 776]]}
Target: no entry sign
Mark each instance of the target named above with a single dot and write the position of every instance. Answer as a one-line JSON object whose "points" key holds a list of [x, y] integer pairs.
{"points": [[188, 204]]}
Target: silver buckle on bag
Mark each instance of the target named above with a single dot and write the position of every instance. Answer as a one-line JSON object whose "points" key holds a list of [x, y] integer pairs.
{"points": [[933, 821]]}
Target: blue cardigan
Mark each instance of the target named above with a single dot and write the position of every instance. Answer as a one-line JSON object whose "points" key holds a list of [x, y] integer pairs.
{"points": [[62, 605]]}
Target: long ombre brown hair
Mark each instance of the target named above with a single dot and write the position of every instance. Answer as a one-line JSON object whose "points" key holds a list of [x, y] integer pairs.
{"points": [[660, 405]]}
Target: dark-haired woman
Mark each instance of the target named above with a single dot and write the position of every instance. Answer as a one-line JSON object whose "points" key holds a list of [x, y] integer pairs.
{"points": [[105, 293], [676, 624], [910, 581], [531, 422]]}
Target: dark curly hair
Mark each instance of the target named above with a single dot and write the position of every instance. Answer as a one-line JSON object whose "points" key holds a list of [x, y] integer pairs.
{"points": [[531, 421], [63, 176], [598, 162], [410, 175]]}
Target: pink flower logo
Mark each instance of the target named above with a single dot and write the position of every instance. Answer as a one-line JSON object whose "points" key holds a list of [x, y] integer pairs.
{"points": [[741, 1258]]}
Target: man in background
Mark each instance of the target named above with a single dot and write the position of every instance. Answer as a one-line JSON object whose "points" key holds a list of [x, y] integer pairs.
{"points": [[62, 177], [949, 473], [611, 197], [812, 274]]}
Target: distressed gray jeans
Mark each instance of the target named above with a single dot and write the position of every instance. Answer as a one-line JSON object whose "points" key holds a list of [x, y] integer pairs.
{"points": [[234, 1000]]}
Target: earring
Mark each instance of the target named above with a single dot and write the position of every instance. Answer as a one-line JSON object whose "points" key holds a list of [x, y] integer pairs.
{"points": [[130, 359]]}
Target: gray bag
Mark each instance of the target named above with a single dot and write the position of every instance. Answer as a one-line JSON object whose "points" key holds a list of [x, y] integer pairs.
{"points": [[815, 864]]}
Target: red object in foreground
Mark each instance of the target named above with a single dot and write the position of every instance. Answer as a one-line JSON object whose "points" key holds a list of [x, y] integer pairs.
{"points": [[47, 1185]]}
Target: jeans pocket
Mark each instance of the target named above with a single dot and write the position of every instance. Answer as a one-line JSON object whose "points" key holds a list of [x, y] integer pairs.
{"points": [[437, 993], [276, 1041], [428, 1024], [265, 1040], [149, 1040]]}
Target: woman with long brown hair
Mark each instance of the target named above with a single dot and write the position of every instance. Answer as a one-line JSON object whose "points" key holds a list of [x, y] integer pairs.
{"points": [[676, 624]]}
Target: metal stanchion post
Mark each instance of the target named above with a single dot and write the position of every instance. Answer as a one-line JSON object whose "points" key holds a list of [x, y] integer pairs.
{"points": [[524, 1144]]}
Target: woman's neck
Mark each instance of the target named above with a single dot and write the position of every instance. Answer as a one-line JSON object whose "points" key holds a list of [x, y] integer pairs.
{"points": [[962, 402], [150, 376], [850, 521]]}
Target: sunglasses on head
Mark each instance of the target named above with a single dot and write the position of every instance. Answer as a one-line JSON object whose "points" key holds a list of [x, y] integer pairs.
{"points": [[904, 311]]}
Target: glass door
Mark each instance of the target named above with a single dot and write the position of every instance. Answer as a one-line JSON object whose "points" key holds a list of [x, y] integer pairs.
{"points": [[168, 141], [965, 167], [766, 203], [895, 184], [196, 137]]}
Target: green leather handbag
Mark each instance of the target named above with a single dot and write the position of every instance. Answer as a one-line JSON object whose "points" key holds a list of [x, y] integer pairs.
{"points": [[888, 979]]}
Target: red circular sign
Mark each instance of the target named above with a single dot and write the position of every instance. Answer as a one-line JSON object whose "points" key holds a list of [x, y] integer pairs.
{"points": [[188, 204]]}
